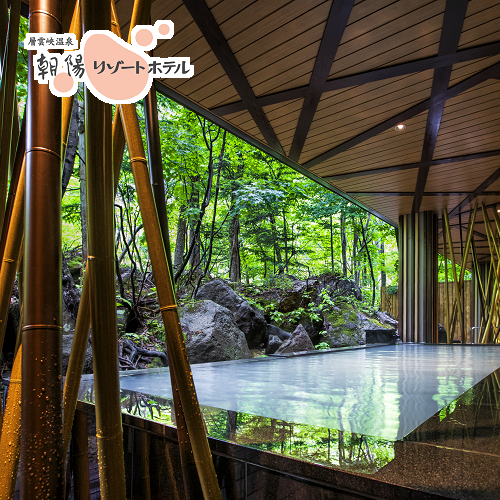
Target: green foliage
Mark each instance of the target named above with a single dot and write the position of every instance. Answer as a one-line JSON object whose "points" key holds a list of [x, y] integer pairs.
{"points": [[322, 346]]}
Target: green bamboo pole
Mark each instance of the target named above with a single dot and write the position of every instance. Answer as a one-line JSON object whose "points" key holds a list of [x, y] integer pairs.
{"points": [[7, 115], [10, 261], [42, 461], [4, 29], [496, 275], [176, 350], [453, 264], [191, 481], [464, 257], [10, 438], [100, 268], [448, 333]]}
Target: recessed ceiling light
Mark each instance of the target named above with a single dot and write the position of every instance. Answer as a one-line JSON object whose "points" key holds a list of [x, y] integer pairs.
{"points": [[400, 127]]}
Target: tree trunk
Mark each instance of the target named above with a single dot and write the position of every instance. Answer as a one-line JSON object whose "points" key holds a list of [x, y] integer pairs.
{"points": [[383, 275], [69, 161], [180, 241], [234, 259], [331, 243], [277, 250], [343, 241], [354, 262], [83, 182], [285, 237]]}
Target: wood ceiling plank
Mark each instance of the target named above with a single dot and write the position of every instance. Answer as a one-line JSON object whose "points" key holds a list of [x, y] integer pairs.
{"points": [[479, 23], [317, 143], [464, 70], [346, 174], [369, 76], [261, 18], [212, 33], [335, 26], [493, 71], [297, 33]]}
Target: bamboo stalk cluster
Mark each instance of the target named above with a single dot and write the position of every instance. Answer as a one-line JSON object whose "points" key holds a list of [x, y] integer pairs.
{"points": [[37, 429], [488, 286]]}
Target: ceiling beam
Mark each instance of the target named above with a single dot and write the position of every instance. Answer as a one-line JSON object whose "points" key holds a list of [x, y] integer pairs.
{"points": [[480, 190], [214, 37], [453, 21], [334, 29], [409, 166], [412, 193], [490, 72], [488, 50]]}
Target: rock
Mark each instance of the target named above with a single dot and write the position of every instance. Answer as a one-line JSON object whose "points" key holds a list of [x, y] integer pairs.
{"points": [[347, 287], [313, 328], [248, 318], [67, 341], [343, 327], [339, 286], [211, 333], [296, 296], [277, 332], [386, 319], [442, 335], [299, 342], [273, 344]]}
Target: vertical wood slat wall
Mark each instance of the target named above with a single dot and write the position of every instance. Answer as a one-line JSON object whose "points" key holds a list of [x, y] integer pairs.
{"points": [[389, 303], [417, 304]]}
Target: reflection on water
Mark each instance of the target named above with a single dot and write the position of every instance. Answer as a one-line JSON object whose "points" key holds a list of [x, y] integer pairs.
{"points": [[331, 447], [384, 391]]}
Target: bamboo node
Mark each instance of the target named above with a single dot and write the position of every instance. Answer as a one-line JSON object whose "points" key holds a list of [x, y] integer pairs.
{"points": [[139, 158], [44, 150], [168, 308], [42, 327], [40, 11], [9, 261]]}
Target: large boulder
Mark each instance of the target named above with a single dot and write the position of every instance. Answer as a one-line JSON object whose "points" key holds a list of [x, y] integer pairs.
{"points": [[248, 318], [211, 333], [343, 326], [299, 342], [67, 342]]}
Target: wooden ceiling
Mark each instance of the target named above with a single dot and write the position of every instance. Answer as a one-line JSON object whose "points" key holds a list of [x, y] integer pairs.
{"points": [[321, 86]]}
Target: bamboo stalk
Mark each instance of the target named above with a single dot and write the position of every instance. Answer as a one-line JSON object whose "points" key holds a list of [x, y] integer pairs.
{"points": [[176, 349], [191, 481], [68, 102], [448, 333], [10, 260], [462, 272], [454, 269], [10, 438], [42, 462], [7, 115], [14, 185], [100, 268], [496, 275]]}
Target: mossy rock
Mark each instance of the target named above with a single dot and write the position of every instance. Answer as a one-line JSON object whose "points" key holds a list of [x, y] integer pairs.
{"points": [[343, 326]]}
